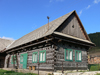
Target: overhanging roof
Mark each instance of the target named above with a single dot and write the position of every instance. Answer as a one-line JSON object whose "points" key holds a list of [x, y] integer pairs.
{"points": [[41, 32], [4, 43], [72, 37]]}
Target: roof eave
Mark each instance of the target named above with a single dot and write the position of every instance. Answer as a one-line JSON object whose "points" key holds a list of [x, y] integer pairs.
{"points": [[74, 38]]}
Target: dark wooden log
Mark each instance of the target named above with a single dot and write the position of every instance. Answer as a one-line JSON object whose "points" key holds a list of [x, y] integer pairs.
{"points": [[17, 61], [13, 61], [30, 45], [73, 42]]}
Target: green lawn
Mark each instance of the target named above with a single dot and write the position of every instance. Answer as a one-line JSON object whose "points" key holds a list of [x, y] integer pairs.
{"points": [[98, 74], [5, 72]]}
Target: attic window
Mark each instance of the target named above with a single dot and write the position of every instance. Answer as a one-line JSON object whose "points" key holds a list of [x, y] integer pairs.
{"points": [[72, 26]]}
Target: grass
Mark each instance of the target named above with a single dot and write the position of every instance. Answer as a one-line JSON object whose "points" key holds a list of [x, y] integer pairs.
{"points": [[83, 71], [5, 72]]}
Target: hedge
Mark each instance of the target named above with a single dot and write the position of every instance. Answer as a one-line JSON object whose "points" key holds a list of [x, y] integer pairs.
{"points": [[94, 67]]}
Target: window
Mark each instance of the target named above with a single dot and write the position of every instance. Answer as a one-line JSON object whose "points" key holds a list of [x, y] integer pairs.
{"points": [[72, 26], [78, 56], [35, 57], [21, 58], [14, 60], [68, 55], [42, 56]]}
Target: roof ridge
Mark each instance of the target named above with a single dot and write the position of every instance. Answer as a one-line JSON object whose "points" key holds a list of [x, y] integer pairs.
{"points": [[46, 24], [6, 39], [39, 32]]}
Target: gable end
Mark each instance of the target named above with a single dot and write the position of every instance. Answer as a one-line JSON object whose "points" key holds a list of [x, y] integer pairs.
{"points": [[73, 26]]}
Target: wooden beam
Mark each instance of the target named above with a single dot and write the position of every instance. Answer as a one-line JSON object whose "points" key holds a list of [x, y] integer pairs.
{"points": [[45, 38], [13, 61], [29, 45], [59, 40], [73, 42], [17, 61]]}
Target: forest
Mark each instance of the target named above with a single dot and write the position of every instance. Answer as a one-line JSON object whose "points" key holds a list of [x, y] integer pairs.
{"points": [[95, 38]]}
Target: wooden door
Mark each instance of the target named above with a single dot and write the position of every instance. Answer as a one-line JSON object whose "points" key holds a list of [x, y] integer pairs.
{"points": [[25, 61]]}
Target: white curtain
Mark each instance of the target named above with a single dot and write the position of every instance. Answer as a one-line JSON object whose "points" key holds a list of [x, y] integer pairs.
{"points": [[70, 55], [79, 55], [40, 56], [43, 56], [33, 57]]}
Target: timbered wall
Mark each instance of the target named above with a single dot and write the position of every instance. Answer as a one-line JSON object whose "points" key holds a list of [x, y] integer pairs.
{"points": [[55, 57], [48, 65], [70, 65], [2, 59], [72, 27]]}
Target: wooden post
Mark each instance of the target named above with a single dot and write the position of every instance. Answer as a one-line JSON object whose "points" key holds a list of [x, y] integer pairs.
{"points": [[38, 68], [13, 61], [17, 61], [62, 67], [77, 66]]}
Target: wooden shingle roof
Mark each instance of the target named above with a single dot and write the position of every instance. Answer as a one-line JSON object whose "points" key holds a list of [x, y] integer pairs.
{"points": [[42, 31], [4, 43]]}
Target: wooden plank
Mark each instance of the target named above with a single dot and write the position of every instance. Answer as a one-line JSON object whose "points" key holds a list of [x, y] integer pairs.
{"points": [[74, 42], [13, 61], [29, 45], [17, 61], [60, 56]]}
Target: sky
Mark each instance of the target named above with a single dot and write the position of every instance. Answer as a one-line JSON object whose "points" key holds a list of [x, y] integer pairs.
{"points": [[19, 17]]}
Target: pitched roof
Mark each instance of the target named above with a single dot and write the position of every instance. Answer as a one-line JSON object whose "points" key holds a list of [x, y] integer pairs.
{"points": [[4, 43], [72, 37], [42, 31]]}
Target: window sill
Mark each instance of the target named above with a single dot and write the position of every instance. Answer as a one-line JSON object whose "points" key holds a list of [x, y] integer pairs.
{"points": [[68, 60], [78, 61], [34, 62], [41, 61]]}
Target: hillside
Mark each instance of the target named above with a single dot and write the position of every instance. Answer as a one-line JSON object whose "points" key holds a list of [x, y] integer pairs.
{"points": [[95, 38]]}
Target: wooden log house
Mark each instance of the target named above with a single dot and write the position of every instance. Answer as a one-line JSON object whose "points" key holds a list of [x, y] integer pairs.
{"points": [[4, 43], [63, 43]]}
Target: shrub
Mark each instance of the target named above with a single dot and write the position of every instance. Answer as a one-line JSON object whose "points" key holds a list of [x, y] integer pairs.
{"points": [[94, 67]]}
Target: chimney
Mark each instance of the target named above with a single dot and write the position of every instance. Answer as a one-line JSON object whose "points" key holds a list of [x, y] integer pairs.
{"points": [[48, 22]]}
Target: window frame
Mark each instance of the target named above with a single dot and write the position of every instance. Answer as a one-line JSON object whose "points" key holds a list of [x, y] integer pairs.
{"points": [[68, 55], [78, 56], [20, 59], [34, 57], [12, 59], [42, 56]]}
